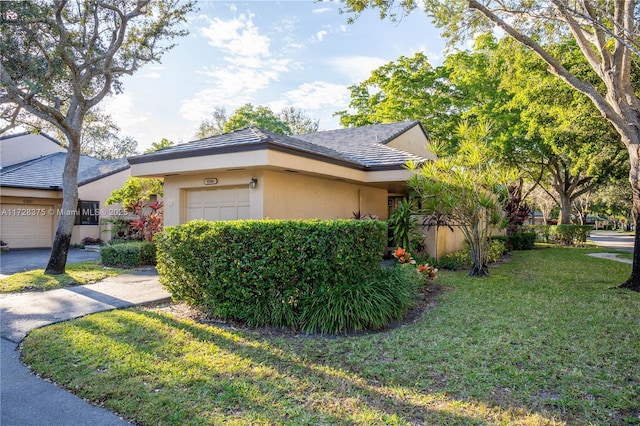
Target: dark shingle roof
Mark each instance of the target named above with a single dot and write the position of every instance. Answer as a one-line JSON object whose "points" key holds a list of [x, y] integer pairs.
{"points": [[46, 172], [367, 143], [362, 147]]}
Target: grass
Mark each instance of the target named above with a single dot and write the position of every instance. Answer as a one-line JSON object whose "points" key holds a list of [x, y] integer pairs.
{"points": [[543, 341], [76, 274]]}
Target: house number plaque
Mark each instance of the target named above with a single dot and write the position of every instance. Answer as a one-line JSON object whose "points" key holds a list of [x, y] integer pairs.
{"points": [[210, 181]]}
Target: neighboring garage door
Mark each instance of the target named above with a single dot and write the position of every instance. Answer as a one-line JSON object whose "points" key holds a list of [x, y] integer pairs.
{"points": [[218, 204], [26, 226]]}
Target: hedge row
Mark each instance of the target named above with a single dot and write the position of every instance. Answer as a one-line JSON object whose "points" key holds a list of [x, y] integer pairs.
{"points": [[128, 255], [522, 240], [311, 275], [562, 234]]}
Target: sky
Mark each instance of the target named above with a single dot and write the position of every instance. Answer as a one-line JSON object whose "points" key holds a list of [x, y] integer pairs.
{"points": [[278, 54]]}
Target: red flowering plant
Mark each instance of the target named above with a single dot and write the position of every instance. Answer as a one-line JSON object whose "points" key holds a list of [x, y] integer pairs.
{"points": [[150, 219], [425, 270]]}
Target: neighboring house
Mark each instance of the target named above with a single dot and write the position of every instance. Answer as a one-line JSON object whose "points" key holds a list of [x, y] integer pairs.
{"points": [[255, 174], [31, 191]]}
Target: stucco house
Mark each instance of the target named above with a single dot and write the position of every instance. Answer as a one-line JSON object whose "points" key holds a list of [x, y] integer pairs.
{"points": [[256, 174], [31, 194]]}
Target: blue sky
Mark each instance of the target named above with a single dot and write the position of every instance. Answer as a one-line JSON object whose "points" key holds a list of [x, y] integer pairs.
{"points": [[275, 53]]}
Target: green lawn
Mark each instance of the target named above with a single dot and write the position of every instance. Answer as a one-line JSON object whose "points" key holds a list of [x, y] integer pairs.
{"points": [[76, 274], [543, 341]]}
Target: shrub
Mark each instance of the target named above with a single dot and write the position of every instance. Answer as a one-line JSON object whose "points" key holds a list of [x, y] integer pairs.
{"points": [[569, 234], [455, 261], [541, 231], [521, 240], [268, 272], [461, 259], [88, 241], [128, 255], [497, 248], [372, 304]]}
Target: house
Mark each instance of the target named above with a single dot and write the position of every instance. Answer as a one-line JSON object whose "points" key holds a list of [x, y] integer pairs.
{"points": [[254, 174], [31, 194]]}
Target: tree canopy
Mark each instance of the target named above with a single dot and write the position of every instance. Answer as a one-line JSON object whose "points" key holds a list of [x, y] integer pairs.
{"points": [[290, 121], [60, 59], [606, 34]]}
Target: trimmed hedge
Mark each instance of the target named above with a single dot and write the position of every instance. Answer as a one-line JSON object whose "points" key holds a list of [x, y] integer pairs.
{"points": [[278, 273], [562, 234], [522, 240], [128, 255], [570, 234]]}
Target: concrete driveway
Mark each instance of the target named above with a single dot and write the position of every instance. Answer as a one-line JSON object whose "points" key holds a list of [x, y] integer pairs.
{"points": [[27, 260]]}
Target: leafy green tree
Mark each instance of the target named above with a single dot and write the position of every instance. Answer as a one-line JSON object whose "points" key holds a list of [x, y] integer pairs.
{"points": [[606, 34], [468, 189], [156, 146], [260, 116], [407, 89], [136, 190], [569, 160], [290, 121], [60, 59]]}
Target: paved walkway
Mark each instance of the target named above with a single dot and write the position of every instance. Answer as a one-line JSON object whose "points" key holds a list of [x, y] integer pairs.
{"points": [[26, 400]]}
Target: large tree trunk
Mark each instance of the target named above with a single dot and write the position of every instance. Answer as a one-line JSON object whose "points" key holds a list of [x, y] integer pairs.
{"points": [[62, 239], [565, 209], [633, 282]]}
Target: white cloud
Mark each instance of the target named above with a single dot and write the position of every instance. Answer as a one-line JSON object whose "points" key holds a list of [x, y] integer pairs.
{"points": [[151, 75], [357, 68], [314, 96], [238, 36], [124, 111], [320, 35], [322, 10]]}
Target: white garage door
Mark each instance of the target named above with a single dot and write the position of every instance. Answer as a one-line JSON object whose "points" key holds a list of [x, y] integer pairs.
{"points": [[26, 226], [218, 204]]}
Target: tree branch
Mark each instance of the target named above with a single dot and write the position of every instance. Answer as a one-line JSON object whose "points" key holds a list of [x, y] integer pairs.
{"points": [[555, 67]]}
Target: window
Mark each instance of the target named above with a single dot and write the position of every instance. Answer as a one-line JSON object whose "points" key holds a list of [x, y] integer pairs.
{"points": [[88, 213]]}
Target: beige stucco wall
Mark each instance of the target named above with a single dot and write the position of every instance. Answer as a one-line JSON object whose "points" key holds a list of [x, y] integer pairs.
{"points": [[296, 196], [22, 148], [100, 190], [280, 195], [176, 187], [440, 241], [413, 141]]}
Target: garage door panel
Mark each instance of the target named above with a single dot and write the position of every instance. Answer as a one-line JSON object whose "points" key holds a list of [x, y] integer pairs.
{"points": [[26, 226], [218, 204]]}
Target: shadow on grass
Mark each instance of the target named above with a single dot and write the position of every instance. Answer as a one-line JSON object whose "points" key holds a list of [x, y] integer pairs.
{"points": [[264, 382]]}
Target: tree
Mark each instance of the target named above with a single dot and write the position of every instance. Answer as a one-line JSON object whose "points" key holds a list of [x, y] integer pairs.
{"points": [[101, 138], [59, 60], [135, 190], [566, 159], [260, 116], [468, 189], [298, 121], [100, 135], [156, 146], [606, 34], [213, 126], [290, 121], [407, 89]]}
